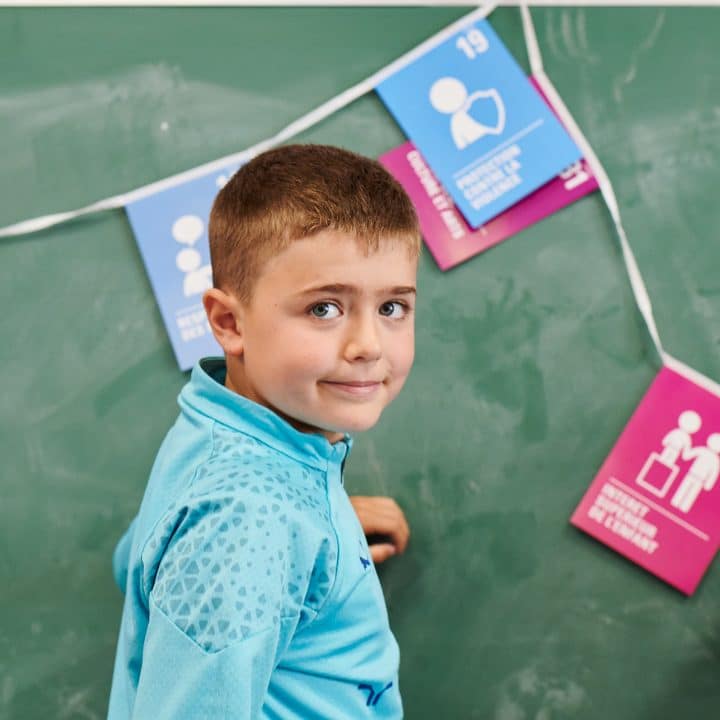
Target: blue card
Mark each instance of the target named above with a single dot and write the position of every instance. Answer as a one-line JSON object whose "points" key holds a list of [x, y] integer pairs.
{"points": [[479, 123], [171, 231]]}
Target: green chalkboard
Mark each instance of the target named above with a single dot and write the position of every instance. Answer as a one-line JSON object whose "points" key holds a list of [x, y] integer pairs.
{"points": [[530, 358]]}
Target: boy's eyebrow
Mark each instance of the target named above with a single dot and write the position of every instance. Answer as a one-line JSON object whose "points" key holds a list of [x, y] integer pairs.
{"points": [[339, 289]]}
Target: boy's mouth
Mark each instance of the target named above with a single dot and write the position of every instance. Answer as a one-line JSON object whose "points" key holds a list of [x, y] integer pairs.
{"points": [[359, 388]]}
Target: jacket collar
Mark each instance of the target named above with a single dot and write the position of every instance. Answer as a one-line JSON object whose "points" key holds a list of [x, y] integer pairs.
{"points": [[206, 393]]}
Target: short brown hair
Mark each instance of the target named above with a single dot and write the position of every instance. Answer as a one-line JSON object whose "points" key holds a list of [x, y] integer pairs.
{"points": [[297, 191]]}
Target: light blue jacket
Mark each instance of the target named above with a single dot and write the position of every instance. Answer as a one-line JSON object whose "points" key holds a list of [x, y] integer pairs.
{"points": [[249, 589]]}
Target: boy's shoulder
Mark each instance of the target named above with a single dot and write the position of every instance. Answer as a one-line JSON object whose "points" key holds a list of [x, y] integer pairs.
{"points": [[230, 474], [240, 465], [199, 461]]}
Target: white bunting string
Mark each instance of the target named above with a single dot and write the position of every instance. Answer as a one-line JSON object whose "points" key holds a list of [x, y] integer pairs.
{"points": [[301, 124], [637, 283]]}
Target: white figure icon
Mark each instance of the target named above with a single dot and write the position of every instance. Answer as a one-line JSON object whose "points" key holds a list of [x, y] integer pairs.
{"points": [[660, 469], [703, 473], [679, 439], [197, 279], [187, 230], [448, 95]]}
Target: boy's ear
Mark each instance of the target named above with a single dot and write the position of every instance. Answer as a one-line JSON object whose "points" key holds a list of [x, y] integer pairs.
{"points": [[224, 313]]}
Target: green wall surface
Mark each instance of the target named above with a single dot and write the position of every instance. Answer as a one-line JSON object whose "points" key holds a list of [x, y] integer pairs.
{"points": [[530, 358]]}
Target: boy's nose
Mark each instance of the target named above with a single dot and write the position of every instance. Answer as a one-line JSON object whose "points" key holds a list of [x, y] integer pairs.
{"points": [[363, 341]]}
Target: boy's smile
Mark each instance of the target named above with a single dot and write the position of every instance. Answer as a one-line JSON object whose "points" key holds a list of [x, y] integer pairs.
{"points": [[327, 338]]}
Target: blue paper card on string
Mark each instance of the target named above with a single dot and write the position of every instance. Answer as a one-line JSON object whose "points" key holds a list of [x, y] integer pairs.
{"points": [[170, 227], [479, 123]]}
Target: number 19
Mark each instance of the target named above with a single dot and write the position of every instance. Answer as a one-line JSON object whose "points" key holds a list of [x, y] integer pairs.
{"points": [[473, 43]]}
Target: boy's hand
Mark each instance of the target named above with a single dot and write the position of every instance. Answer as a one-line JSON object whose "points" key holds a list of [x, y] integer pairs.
{"points": [[382, 516]]}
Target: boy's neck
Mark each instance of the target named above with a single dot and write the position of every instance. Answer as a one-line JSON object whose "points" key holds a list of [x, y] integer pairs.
{"points": [[236, 382]]}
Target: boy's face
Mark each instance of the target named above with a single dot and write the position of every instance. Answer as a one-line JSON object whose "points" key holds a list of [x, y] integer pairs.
{"points": [[328, 336]]}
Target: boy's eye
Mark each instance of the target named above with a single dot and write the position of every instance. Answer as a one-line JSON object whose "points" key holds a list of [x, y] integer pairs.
{"points": [[393, 309], [325, 311]]}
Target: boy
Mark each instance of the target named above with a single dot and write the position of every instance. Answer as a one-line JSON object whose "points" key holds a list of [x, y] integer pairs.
{"points": [[250, 591]]}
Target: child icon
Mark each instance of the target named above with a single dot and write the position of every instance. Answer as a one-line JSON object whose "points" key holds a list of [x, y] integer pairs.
{"points": [[187, 230], [660, 469], [197, 279], [448, 95], [679, 439], [703, 473]]}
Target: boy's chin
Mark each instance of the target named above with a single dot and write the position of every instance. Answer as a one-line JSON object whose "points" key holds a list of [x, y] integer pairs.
{"points": [[350, 426]]}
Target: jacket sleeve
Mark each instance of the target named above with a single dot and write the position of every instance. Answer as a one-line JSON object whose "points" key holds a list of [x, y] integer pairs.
{"points": [[182, 681], [224, 599], [121, 556]]}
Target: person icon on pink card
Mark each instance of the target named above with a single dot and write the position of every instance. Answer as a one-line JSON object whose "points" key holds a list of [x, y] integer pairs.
{"points": [[680, 439], [702, 475], [660, 469]]}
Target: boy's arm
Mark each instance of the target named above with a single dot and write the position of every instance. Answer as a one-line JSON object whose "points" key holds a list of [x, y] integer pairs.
{"points": [[121, 556], [220, 611], [182, 681], [384, 523]]}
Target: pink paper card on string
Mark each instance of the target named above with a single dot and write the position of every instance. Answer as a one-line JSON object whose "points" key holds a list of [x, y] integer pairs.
{"points": [[656, 499]]}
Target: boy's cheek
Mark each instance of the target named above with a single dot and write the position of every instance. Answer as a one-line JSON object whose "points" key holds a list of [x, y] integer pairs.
{"points": [[399, 381], [409, 358]]}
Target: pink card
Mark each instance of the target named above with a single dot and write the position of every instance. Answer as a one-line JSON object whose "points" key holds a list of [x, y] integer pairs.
{"points": [[450, 239], [656, 499]]}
